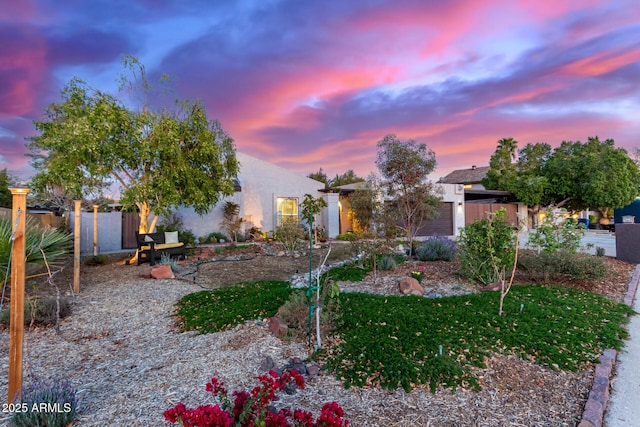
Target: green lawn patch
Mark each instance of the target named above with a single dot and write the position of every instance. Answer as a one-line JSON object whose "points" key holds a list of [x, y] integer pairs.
{"points": [[401, 341], [224, 308], [350, 272]]}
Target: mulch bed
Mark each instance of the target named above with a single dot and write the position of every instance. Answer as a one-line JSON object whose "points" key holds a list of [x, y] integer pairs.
{"points": [[122, 352]]}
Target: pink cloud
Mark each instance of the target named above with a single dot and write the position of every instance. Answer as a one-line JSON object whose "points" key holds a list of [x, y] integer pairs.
{"points": [[23, 66]]}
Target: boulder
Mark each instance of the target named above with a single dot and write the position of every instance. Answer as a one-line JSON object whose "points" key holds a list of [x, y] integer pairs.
{"points": [[162, 272], [267, 364], [409, 285], [313, 369]]}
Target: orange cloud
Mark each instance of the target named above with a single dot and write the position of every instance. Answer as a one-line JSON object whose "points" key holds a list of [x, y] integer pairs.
{"points": [[602, 63]]}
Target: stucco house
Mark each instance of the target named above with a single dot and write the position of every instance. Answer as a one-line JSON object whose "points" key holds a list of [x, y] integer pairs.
{"points": [[266, 195], [450, 213], [479, 201]]}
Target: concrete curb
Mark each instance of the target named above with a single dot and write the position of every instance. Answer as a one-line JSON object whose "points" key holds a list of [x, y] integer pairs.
{"points": [[593, 413]]}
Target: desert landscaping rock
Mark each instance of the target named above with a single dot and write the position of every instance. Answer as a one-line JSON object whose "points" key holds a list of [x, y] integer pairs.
{"points": [[162, 272], [409, 285]]}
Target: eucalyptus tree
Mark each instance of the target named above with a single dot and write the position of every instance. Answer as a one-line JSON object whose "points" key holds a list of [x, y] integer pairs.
{"points": [[404, 167], [160, 159]]}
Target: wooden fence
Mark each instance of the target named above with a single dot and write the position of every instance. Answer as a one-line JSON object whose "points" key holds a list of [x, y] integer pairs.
{"points": [[475, 211], [45, 219]]}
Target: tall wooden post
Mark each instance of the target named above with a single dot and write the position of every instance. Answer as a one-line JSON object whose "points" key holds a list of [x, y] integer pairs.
{"points": [[76, 247], [95, 230], [16, 322]]}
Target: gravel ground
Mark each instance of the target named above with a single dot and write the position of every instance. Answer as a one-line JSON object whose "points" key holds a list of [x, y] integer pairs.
{"points": [[121, 351]]}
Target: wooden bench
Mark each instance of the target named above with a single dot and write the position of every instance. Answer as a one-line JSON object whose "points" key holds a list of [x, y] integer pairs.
{"points": [[152, 246]]}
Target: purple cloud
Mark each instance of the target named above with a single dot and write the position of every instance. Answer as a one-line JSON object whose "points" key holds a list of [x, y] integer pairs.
{"points": [[317, 84]]}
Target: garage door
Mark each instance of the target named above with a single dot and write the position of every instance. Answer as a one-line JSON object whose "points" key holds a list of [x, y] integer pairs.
{"points": [[443, 225]]}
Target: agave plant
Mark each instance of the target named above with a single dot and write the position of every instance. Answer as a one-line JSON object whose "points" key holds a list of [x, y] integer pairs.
{"points": [[42, 244]]}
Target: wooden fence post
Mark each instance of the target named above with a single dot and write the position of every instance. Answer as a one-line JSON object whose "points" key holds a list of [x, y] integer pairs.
{"points": [[95, 230], [76, 247], [16, 322]]}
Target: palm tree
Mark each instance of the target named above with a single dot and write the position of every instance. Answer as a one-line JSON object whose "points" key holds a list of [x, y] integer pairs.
{"points": [[508, 146], [43, 246]]}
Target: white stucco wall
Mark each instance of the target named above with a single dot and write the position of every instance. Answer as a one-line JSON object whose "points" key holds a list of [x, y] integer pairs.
{"points": [[262, 183], [331, 214]]}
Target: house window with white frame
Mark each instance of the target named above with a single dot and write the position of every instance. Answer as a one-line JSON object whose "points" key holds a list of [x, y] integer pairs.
{"points": [[286, 210]]}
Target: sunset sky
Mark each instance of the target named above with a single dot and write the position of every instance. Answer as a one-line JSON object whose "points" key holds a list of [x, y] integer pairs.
{"points": [[310, 84]]}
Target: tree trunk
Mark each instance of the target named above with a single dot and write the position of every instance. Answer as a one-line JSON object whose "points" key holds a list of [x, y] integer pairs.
{"points": [[144, 228]]}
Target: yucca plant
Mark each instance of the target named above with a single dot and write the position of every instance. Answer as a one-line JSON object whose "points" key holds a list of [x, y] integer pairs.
{"points": [[41, 244]]}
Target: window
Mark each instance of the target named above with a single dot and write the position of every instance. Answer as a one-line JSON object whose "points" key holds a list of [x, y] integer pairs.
{"points": [[286, 210]]}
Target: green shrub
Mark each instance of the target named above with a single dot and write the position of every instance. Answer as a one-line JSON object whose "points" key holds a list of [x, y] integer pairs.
{"points": [[166, 259], [54, 402], [349, 272], [436, 248], [599, 251], [93, 260], [483, 243], [387, 262], [40, 312], [347, 237], [295, 314], [39, 242], [290, 236], [187, 237], [214, 237], [546, 266], [554, 234]]}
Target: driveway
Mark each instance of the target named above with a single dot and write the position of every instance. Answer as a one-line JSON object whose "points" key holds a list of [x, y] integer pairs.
{"points": [[591, 241]]}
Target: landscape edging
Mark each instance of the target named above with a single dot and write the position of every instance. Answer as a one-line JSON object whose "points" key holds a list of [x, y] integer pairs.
{"points": [[594, 409]]}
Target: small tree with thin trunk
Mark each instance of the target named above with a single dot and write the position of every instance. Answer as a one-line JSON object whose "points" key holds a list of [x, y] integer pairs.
{"points": [[405, 166], [310, 208]]}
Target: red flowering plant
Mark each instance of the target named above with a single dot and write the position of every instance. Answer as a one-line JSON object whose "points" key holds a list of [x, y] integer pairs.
{"points": [[251, 409]]}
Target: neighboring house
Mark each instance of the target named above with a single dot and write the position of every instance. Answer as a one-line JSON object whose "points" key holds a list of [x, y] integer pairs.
{"points": [[267, 195], [450, 213], [470, 179], [480, 201]]}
